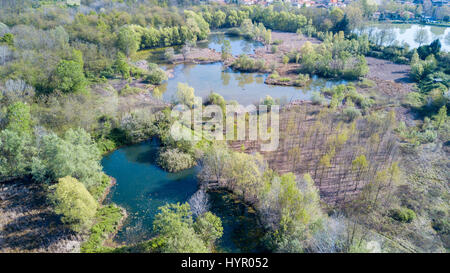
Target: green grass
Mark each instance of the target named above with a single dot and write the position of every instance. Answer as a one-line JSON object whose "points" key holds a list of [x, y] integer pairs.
{"points": [[107, 222]]}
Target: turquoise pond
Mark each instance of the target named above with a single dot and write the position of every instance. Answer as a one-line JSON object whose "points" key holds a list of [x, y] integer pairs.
{"points": [[142, 187]]}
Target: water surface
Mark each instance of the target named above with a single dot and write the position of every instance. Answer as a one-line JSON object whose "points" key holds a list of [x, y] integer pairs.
{"points": [[405, 33], [245, 88], [142, 187], [238, 44]]}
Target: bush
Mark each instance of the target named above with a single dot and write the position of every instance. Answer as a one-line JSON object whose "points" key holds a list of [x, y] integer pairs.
{"points": [[156, 75], [414, 100], [127, 90], [108, 219], [302, 80], [317, 98], [428, 136], [274, 49], [403, 215], [74, 155], [247, 64], [350, 113], [74, 203], [173, 160]]}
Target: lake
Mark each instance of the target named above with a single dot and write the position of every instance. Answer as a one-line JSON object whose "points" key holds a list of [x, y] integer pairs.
{"points": [[238, 44], [405, 33], [245, 88]]}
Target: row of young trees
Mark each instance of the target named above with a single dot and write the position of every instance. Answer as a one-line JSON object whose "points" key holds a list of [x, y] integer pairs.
{"points": [[288, 207], [335, 57]]}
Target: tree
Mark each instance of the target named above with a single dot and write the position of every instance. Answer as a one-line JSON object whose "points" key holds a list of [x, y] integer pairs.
{"points": [[75, 155], [215, 163], [209, 227], [169, 54], [121, 65], [174, 224], [199, 202], [69, 77], [127, 40], [16, 151], [421, 36], [226, 49], [19, 118], [74, 203], [441, 117], [185, 95], [360, 165], [292, 210], [155, 75]]}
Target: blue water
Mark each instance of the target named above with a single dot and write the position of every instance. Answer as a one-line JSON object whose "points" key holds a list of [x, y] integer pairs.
{"points": [[245, 88], [238, 44], [142, 187]]}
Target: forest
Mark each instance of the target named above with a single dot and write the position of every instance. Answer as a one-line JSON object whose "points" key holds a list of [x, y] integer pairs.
{"points": [[362, 166]]}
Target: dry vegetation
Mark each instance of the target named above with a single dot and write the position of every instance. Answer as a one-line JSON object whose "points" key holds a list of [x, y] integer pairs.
{"points": [[28, 224]]}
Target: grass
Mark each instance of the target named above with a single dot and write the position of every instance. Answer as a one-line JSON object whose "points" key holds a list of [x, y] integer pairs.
{"points": [[99, 190], [107, 222]]}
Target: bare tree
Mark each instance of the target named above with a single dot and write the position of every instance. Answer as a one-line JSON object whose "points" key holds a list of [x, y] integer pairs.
{"points": [[421, 36], [199, 202]]}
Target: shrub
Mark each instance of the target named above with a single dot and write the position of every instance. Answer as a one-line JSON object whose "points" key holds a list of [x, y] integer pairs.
{"points": [[365, 83], [156, 75], [428, 136], [173, 160], [414, 100], [317, 98], [274, 49], [247, 64], [74, 203], [268, 101], [350, 113], [274, 75], [108, 219], [127, 90], [403, 215], [302, 80]]}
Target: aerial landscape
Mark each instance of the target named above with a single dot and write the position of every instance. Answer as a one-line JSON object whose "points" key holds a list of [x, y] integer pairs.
{"points": [[224, 126]]}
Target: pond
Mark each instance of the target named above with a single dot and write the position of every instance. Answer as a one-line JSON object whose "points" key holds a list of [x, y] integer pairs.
{"points": [[238, 44], [142, 187], [245, 88], [406, 33]]}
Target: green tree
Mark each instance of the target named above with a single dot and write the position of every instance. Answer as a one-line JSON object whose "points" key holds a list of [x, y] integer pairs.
{"points": [[441, 117], [74, 203], [19, 118], [226, 49], [121, 65], [127, 40], [174, 224], [16, 151], [8, 39], [185, 95], [75, 155], [209, 227], [69, 77]]}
